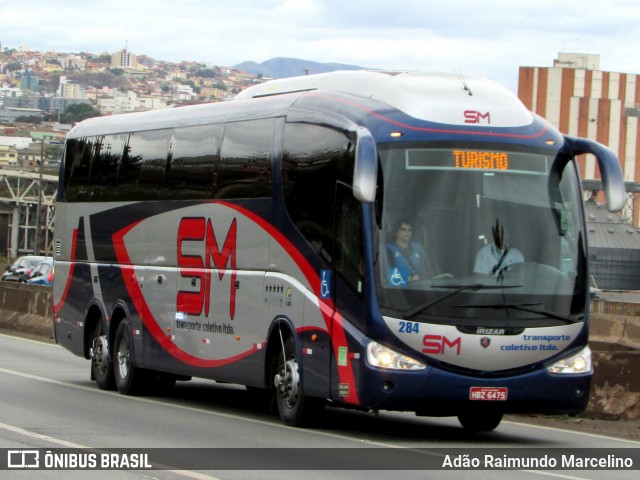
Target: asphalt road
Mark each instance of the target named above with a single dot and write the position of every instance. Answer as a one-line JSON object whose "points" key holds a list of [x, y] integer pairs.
{"points": [[48, 401]]}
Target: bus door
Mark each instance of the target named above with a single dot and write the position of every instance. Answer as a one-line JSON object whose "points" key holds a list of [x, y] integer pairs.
{"points": [[348, 291]]}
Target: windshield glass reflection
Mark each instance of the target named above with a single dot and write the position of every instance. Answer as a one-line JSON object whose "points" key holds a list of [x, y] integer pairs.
{"points": [[466, 232]]}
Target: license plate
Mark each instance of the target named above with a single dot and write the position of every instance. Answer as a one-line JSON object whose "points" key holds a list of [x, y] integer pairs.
{"points": [[496, 394]]}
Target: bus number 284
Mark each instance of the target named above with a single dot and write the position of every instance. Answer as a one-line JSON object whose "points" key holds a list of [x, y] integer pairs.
{"points": [[409, 327]]}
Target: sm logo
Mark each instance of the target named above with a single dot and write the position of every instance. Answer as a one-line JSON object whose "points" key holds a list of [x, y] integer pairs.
{"points": [[199, 253], [438, 344], [473, 116]]}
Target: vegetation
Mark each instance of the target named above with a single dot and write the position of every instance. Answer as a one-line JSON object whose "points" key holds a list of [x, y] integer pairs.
{"points": [[78, 112]]}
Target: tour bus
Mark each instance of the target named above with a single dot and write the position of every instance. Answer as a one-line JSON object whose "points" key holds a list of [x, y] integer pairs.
{"points": [[255, 242]]}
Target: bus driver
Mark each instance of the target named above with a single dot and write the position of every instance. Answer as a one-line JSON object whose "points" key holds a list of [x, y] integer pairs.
{"points": [[405, 256], [492, 259]]}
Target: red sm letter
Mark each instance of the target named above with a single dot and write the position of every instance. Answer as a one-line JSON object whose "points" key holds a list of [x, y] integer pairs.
{"points": [[222, 259]]}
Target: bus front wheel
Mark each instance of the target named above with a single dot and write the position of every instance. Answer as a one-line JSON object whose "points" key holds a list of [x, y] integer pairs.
{"points": [[294, 407]]}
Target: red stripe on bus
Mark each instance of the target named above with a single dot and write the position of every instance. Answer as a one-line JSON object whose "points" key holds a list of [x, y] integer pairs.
{"points": [[491, 133], [327, 308], [345, 372], [74, 241]]}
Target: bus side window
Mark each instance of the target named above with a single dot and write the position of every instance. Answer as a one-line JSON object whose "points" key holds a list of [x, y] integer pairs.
{"points": [[77, 164], [104, 167], [245, 169], [313, 158], [191, 172], [141, 168]]}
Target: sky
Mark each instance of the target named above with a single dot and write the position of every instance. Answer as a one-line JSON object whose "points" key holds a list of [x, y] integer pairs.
{"points": [[490, 38]]}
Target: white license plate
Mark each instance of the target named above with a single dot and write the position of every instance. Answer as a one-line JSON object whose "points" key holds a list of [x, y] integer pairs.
{"points": [[496, 394]]}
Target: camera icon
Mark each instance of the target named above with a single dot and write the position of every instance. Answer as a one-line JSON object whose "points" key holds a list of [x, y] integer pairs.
{"points": [[23, 459]]}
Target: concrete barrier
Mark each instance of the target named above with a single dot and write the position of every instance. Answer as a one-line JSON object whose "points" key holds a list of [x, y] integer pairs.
{"points": [[26, 309], [614, 339]]}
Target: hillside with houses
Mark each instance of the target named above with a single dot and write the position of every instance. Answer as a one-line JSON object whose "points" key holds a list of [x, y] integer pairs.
{"points": [[43, 93]]}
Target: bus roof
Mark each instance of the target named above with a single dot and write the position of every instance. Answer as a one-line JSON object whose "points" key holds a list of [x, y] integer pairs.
{"points": [[435, 97], [201, 114]]}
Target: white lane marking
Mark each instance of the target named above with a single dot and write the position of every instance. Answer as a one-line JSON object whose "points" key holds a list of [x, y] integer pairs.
{"points": [[273, 424], [92, 389], [585, 434]]}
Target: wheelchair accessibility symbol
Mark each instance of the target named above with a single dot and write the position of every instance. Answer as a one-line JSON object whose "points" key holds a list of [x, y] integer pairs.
{"points": [[396, 278], [325, 283]]}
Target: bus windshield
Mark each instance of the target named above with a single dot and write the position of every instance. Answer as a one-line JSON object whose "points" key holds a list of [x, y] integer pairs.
{"points": [[474, 233]]}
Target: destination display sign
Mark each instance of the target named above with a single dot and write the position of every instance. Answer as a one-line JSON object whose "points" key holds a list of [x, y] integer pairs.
{"points": [[488, 160]]}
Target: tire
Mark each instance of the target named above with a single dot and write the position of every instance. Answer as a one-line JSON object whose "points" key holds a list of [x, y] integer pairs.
{"points": [[294, 407], [129, 379], [480, 421], [101, 362]]}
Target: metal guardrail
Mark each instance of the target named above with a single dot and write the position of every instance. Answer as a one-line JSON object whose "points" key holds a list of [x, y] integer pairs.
{"points": [[29, 200]]}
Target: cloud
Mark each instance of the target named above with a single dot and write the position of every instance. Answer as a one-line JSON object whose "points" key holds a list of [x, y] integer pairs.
{"points": [[489, 37]]}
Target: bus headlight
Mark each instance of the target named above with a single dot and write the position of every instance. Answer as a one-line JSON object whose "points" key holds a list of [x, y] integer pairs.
{"points": [[577, 363], [383, 357]]}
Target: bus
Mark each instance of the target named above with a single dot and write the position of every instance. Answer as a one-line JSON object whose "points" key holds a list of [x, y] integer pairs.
{"points": [[251, 242]]}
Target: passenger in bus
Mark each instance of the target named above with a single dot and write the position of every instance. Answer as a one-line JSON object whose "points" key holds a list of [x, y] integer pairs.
{"points": [[494, 258], [406, 257]]}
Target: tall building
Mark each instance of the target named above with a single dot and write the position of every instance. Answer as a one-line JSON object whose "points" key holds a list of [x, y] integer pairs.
{"points": [[581, 100], [124, 59], [29, 81]]}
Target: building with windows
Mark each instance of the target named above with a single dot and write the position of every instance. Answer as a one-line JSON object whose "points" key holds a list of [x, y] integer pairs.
{"points": [[8, 156], [125, 102], [582, 100], [124, 59], [29, 81]]}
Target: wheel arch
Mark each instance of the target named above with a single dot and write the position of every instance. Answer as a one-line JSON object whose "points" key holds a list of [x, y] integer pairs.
{"points": [[95, 313], [119, 313], [284, 325]]}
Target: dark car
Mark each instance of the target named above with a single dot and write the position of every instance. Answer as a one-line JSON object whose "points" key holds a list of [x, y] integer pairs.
{"points": [[41, 274], [21, 266]]}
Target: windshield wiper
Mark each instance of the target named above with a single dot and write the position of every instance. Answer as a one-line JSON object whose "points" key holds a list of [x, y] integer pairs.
{"points": [[458, 289], [526, 307]]}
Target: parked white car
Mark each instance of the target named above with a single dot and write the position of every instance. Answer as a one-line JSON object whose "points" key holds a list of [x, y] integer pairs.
{"points": [[21, 266]]}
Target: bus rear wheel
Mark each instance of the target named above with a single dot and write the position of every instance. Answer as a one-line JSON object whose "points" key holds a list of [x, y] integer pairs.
{"points": [[101, 364], [480, 421], [294, 407], [129, 379]]}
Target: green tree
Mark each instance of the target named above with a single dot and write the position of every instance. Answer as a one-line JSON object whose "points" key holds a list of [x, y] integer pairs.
{"points": [[78, 112], [28, 119]]}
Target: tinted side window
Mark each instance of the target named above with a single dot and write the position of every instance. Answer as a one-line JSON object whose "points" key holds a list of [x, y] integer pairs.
{"points": [[141, 172], [245, 170], [77, 166], [194, 160], [107, 156], [314, 157]]}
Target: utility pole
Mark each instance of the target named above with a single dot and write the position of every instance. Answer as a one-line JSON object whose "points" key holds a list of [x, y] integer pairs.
{"points": [[36, 249]]}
